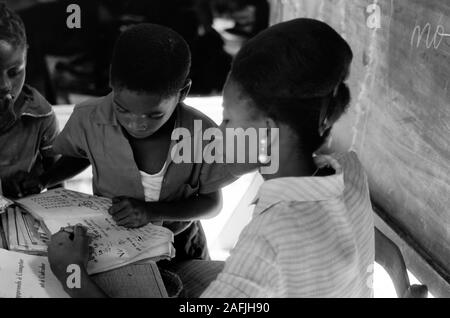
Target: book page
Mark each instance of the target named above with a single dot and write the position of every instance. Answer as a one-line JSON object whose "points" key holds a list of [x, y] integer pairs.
{"points": [[65, 204], [114, 246], [27, 276]]}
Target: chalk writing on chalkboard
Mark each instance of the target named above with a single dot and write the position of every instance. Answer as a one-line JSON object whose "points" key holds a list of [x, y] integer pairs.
{"points": [[432, 38]]}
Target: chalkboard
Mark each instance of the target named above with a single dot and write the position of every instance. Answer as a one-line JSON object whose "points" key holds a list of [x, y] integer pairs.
{"points": [[399, 121]]}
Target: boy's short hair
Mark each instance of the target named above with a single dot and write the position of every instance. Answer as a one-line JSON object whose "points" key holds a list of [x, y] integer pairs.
{"points": [[150, 58], [12, 29]]}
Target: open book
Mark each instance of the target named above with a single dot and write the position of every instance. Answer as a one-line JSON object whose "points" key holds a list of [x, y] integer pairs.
{"points": [[113, 246]]}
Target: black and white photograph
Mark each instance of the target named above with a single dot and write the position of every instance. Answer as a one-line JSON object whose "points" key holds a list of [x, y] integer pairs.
{"points": [[224, 154]]}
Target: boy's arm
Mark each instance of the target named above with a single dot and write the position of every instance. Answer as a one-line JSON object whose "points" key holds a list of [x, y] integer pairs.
{"points": [[201, 206], [56, 171], [70, 144], [48, 164], [134, 213], [65, 168]]}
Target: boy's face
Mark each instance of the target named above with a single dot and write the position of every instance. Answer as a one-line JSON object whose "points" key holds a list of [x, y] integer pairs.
{"points": [[12, 72], [142, 114]]}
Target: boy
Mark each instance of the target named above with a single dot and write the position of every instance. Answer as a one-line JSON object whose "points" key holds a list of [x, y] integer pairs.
{"points": [[126, 137], [28, 124]]}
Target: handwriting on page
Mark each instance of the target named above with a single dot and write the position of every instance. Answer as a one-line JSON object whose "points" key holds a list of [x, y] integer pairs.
{"points": [[65, 199], [114, 245], [52, 202], [62, 203], [124, 242]]}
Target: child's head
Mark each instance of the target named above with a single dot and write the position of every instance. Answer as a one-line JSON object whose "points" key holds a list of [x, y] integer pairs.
{"points": [[13, 50], [149, 77], [291, 75]]}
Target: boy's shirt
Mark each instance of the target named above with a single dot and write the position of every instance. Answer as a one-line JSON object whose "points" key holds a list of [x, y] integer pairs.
{"points": [[94, 133], [30, 139]]}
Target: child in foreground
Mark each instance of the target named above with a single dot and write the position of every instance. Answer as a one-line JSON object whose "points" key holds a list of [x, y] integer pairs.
{"points": [[312, 231], [126, 137]]}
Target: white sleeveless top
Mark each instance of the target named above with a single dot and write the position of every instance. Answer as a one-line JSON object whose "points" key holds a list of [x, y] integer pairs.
{"points": [[152, 184]]}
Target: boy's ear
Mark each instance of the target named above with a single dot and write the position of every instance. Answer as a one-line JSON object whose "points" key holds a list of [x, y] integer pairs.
{"points": [[185, 90]]}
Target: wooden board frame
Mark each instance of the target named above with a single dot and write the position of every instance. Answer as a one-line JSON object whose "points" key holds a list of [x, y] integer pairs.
{"points": [[417, 259]]}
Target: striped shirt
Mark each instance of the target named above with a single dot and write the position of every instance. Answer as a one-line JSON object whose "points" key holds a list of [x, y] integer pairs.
{"points": [[309, 237]]}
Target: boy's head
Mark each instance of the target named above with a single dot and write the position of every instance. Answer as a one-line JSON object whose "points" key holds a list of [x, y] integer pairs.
{"points": [[13, 50], [149, 77]]}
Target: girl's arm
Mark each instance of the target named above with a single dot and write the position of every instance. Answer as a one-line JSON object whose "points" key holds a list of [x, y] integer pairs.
{"points": [[389, 256]]}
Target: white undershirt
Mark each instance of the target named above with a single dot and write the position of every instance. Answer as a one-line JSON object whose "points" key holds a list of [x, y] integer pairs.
{"points": [[152, 184]]}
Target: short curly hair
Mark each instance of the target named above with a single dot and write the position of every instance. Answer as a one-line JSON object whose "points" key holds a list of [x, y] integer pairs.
{"points": [[150, 58], [12, 29]]}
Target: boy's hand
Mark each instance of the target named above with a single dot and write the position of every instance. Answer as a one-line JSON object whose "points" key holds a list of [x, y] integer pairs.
{"points": [[66, 249], [129, 213], [21, 185]]}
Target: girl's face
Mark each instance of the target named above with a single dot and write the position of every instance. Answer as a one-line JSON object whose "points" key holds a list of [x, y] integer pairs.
{"points": [[12, 72], [239, 113], [141, 114]]}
